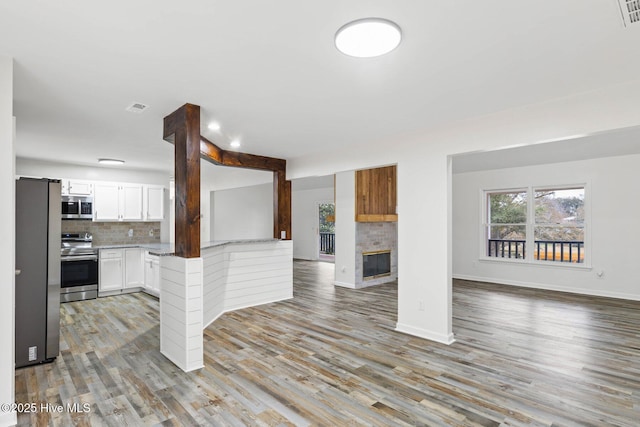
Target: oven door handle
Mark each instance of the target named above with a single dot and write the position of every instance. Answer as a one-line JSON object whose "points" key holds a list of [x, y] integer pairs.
{"points": [[79, 258]]}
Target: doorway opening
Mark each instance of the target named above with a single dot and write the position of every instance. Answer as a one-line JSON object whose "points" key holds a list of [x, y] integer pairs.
{"points": [[326, 232]]}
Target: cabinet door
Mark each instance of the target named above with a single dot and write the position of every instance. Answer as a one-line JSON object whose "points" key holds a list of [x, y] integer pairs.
{"points": [[110, 274], [133, 268], [64, 187], [155, 283], [148, 273], [152, 274], [106, 202], [154, 198], [131, 202], [80, 188]]}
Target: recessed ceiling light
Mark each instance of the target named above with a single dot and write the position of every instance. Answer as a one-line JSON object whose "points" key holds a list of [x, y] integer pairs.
{"points": [[111, 161], [235, 143], [369, 37], [214, 126]]}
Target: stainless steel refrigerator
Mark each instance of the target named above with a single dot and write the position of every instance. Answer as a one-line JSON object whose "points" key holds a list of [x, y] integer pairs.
{"points": [[38, 231]]}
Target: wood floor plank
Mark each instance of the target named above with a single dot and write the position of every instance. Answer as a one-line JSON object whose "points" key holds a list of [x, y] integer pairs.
{"points": [[330, 356]]}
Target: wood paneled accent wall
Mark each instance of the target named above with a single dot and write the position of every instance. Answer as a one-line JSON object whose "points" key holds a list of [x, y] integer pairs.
{"points": [[376, 194]]}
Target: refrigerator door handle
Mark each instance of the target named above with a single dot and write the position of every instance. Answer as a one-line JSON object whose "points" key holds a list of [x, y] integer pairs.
{"points": [[18, 272]]}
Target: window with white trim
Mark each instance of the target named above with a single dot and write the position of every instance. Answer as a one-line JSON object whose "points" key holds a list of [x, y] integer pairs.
{"points": [[536, 224]]}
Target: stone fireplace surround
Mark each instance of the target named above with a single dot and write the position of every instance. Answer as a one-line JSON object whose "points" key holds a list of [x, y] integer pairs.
{"points": [[372, 237]]}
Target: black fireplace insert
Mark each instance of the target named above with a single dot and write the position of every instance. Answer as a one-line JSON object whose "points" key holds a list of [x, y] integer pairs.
{"points": [[376, 264]]}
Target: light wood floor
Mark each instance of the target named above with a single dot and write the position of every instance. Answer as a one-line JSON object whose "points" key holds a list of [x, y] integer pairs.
{"points": [[331, 357]]}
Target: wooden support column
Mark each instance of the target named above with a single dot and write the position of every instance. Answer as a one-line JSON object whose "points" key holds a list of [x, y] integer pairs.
{"points": [[281, 205], [182, 128]]}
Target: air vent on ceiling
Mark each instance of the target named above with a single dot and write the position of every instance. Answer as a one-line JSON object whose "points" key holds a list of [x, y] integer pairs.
{"points": [[138, 107], [630, 10]]}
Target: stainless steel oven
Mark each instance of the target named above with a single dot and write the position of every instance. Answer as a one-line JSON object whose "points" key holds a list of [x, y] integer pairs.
{"points": [[79, 266]]}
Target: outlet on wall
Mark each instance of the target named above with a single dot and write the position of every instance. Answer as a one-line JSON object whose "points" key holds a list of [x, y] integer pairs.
{"points": [[421, 305]]}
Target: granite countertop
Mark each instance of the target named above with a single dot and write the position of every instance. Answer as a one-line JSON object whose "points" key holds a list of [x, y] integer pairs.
{"points": [[165, 249]]}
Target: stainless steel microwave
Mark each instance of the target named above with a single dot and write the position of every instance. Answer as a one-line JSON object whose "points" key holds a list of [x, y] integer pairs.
{"points": [[74, 207]]}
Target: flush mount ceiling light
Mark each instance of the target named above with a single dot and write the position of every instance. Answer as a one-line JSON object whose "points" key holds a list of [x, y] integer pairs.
{"points": [[215, 126], [369, 37], [235, 143], [111, 162]]}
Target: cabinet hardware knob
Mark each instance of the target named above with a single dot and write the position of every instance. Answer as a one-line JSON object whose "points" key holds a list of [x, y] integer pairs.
{"points": [[18, 272]]}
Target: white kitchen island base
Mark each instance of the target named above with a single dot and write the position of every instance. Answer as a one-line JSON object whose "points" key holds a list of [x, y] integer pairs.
{"points": [[228, 276]]}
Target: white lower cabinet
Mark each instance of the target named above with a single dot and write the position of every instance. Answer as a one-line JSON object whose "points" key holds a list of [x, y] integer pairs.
{"points": [[133, 268], [111, 271], [152, 274], [121, 270]]}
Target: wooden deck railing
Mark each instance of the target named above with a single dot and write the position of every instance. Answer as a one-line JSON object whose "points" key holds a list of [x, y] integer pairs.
{"points": [[327, 243], [544, 250]]}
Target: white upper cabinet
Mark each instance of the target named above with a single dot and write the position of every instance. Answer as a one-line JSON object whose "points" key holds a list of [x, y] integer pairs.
{"points": [[106, 201], [154, 202], [80, 188], [118, 201], [74, 187], [115, 201], [131, 202]]}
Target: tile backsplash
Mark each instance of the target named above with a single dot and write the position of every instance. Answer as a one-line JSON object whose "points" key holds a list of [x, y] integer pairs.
{"points": [[115, 233]]}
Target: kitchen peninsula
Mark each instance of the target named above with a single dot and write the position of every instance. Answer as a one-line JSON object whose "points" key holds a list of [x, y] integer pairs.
{"points": [[229, 275]]}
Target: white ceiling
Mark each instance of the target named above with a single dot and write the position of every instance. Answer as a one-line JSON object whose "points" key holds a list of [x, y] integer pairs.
{"points": [[269, 73], [580, 147]]}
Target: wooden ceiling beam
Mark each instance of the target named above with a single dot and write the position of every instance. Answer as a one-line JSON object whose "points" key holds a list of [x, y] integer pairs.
{"points": [[213, 154], [175, 126]]}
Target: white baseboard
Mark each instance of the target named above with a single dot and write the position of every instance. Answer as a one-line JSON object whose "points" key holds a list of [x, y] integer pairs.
{"points": [[243, 307], [8, 419], [426, 334], [345, 285], [256, 305], [185, 368], [547, 287]]}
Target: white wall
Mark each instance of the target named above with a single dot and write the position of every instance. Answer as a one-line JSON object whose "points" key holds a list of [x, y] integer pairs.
{"points": [[424, 181], [7, 241], [217, 178], [345, 260], [612, 205], [242, 213], [305, 220]]}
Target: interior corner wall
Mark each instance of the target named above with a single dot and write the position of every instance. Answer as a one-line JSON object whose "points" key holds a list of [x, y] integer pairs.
{"points": [[345, 260], [242, 213], [7, 242], [611, 206], [305, 220]]}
